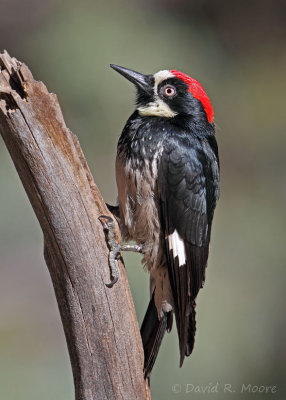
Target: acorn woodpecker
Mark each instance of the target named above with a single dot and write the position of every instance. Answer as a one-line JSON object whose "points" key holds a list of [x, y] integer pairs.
{"points": [[167, 172]]}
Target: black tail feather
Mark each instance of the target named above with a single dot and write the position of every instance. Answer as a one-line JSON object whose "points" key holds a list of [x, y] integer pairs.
{"points": [[152, 333], [188, 340]]}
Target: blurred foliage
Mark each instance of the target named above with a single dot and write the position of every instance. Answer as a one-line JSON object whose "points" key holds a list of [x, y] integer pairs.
{"points": [[237, 51]]}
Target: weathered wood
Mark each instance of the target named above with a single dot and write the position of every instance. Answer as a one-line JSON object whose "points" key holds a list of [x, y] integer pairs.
{"points": [[100, 323]]}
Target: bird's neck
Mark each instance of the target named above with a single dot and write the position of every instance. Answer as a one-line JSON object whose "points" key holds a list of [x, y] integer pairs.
{"points": [[137, 127], [197, 125]]}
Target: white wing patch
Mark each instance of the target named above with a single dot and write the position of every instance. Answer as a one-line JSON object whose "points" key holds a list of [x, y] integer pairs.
{"points": [[177, 245]]}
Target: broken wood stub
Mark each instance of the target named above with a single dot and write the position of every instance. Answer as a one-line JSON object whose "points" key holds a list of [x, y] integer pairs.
{"points": [[100, 323]]}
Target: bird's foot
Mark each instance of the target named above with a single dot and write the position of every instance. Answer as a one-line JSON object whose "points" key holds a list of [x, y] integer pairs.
{"points": [[114, 247]]}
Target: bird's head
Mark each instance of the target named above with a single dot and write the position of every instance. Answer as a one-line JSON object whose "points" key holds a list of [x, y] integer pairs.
{"points": [[169, 94]]}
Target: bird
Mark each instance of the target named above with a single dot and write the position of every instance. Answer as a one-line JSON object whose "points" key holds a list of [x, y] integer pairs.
{"points": [[168, 181]]}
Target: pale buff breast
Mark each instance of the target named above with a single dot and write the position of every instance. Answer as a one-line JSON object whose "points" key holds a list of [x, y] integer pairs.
{"points": [[139, 221], [138, 203]]}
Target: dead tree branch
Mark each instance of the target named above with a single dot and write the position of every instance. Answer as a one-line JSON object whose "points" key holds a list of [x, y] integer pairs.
{"points": [[100, 323]]}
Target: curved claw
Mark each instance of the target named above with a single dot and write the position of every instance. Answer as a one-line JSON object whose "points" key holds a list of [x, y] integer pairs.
{"points": [[114, 280], [109, 224]]}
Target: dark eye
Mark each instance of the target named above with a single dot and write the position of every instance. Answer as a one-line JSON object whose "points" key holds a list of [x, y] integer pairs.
{"points": [[169, 91]]}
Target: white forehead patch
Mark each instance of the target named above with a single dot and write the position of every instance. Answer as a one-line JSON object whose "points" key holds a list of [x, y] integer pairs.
{"points": [[162, 76], [158, 107]]}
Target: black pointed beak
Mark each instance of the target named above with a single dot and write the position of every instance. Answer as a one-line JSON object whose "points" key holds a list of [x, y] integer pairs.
{"points": [[139, 80]]}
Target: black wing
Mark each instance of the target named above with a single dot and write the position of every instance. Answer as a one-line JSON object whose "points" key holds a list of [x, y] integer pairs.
{"points": [[188, 180]]}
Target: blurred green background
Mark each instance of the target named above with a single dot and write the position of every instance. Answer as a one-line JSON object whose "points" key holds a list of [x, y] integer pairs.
{"points": [[237, 50]]}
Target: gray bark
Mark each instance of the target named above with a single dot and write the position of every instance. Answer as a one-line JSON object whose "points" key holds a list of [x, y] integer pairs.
{"points": [[100, 324]]}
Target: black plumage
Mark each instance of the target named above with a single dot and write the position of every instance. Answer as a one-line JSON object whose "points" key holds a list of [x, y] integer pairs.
{"points": [[188, 169], [168, 185]]}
